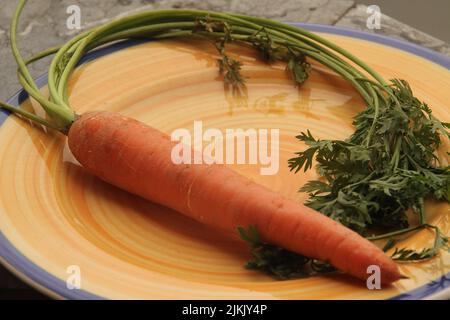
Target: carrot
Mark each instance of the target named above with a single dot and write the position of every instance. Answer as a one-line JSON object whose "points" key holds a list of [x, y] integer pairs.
{"points": [[137, 158]]}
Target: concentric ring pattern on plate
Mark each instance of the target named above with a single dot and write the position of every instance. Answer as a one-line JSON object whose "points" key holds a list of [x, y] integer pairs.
{"points": [[57, 216]]}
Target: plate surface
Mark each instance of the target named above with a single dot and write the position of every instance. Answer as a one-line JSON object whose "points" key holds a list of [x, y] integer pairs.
{"points": [[56, 219]]}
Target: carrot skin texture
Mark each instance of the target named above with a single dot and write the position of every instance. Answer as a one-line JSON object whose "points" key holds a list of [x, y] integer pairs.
{"points": [[137, 158]]}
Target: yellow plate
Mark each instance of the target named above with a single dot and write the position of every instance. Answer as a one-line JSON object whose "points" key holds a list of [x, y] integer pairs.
{"points": [[58, 222]]}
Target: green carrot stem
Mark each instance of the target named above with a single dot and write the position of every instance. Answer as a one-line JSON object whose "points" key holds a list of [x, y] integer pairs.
{"points": [[28, 115]]}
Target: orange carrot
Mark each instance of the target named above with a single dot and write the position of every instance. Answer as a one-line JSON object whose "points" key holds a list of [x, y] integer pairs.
{"points": [[137, 158]]}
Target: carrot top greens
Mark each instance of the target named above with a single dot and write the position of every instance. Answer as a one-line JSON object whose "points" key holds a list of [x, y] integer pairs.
{"points": [[370, 180]]}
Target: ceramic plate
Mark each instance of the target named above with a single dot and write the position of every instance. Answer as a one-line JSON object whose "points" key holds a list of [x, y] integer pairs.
{"points": [[55, 219]]}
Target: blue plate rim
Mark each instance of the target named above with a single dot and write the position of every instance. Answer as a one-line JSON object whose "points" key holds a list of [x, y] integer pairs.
{"points": [[44, 281]]}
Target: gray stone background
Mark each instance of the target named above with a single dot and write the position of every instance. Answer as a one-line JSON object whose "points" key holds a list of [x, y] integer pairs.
{"points": [[44, 25]]}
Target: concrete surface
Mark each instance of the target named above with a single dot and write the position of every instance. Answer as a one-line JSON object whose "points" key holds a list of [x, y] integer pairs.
{"points": [[428, 16], [356, 19], [44, 23]]}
